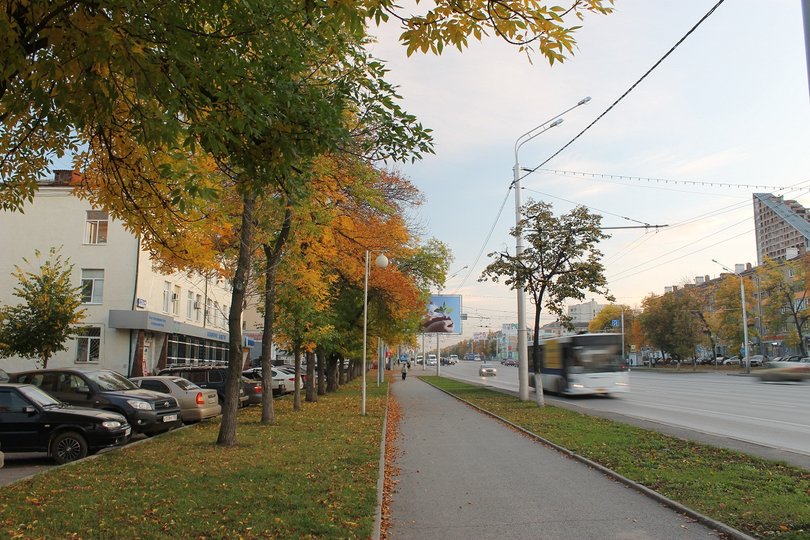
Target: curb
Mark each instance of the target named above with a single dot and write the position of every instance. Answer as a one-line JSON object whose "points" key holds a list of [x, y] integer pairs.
{"points": [[376, 528], [697, 516]]}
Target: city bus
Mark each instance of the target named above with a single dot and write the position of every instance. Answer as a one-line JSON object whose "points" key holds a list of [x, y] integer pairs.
{"points": [[581, 364]]}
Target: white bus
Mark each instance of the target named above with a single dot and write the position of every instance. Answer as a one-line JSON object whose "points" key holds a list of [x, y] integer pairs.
{"points": [[580, 364]]}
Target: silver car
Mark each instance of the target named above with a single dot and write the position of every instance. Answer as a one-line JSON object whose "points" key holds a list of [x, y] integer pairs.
{"points": [[196, 403], [487, 370]]}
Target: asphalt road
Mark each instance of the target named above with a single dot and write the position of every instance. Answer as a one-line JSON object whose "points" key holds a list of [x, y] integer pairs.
{"points": [[729, 410]]}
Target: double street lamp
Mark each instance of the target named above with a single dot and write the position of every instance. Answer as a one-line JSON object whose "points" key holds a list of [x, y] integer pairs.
{"points": [[744, 316], [381, 262], [523, 350]]}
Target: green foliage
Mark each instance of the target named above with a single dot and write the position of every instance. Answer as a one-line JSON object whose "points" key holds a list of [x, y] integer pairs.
{"points": [[671, 324], [40, 327], [784, 286], [561, 260], [762, 498]]}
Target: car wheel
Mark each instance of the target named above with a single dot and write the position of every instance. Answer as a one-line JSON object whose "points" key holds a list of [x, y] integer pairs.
{"points": [[68, 446]]}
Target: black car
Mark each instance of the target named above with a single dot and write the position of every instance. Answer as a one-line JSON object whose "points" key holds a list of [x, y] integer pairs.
{"points": [[213, 377], [146, 411], [31, 420]]}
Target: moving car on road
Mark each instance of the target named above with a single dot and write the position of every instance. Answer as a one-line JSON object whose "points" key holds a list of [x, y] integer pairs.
{"points": [[146, 411], [487, 370], [33, 421]]}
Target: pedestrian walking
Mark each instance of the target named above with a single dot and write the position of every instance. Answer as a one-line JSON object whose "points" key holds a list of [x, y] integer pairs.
{"points": [[404, 371]]}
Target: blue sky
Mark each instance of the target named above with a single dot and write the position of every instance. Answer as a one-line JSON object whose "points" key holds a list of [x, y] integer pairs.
{"points": [[729, 106]]}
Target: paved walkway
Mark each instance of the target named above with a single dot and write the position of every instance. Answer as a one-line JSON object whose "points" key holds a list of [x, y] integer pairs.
{"points": [[464, 475]]}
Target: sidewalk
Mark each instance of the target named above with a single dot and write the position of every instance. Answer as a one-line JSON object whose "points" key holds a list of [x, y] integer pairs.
{"points": [[464, 475]]}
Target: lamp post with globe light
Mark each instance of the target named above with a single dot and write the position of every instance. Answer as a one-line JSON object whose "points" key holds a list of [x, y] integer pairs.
{"points": [[381, 262], [523, 351]]}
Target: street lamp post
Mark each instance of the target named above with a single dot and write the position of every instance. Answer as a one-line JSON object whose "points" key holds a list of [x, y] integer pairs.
{"points": [[744, 316], [382, 262], [523, 351]]}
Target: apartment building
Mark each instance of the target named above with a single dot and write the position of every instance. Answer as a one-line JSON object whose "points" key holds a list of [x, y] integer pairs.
{"points": [[585, 313], [138, 320], [782, 227]]}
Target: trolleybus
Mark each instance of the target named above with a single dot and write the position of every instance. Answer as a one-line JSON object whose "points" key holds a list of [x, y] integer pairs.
{"points": [[580, 364]]}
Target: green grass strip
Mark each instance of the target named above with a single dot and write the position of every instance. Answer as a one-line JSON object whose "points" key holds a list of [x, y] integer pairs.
{"points": [[312, 475], [762, 498]]}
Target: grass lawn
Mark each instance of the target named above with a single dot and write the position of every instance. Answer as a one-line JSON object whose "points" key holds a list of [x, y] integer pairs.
{"points": [[762, 498], [313, 474]]}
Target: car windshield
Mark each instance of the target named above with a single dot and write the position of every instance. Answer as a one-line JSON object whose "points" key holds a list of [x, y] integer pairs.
{"points": [[110, 381], [185, 384], [40, 397]]}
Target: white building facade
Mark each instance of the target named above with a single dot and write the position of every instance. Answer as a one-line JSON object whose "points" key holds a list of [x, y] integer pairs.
{"points": [[137, 320]]}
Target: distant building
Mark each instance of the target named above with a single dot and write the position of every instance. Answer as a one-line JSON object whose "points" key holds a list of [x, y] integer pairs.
{"points": [[138, 320], [585, 313], [782, 227]]}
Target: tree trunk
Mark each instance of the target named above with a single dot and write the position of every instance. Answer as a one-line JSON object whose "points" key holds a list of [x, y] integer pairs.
{"points": [[311, 397], [272, 257], [321, 372], [297, 392], [535, 359], [227, 429], [332, 372]]}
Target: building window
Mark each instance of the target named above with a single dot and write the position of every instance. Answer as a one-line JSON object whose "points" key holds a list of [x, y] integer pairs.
{"points": [[209, 309], [189, 305], [95, 229], [92, 286], [216, 314], [176, 300], [167, 294], [88, 341], [197, 308]]}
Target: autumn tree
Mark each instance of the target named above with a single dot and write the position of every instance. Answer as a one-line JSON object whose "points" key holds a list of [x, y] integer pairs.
{"points": [[670, 324], [561, 262], [603, 322], [42, 325], [784, 286], [258, 87]]}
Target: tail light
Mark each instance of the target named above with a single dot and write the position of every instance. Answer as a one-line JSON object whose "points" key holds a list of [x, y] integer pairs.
{"points": [[257, 389], [200, 400]]}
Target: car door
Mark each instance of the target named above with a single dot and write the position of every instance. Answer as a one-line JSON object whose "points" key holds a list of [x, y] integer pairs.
{"points": [[74, 389], [19, 421]]}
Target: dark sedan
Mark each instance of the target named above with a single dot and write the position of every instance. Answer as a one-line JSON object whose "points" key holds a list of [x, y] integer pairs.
{"points": [[33, 421], [146, 411]]}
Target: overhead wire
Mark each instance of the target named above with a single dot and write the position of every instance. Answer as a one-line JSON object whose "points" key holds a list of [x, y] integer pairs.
{"points": [[583, 131]]}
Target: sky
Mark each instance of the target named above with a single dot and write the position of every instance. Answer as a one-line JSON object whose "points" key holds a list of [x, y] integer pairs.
{"points": [[727, 114]]}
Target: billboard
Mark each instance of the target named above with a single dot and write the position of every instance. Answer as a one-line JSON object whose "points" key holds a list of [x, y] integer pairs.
{"points": [[509, 329], [443, 315]]}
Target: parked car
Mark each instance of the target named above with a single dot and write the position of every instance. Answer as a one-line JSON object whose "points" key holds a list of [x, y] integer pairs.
{"points": [[509, 362], [287, 375], [756, 360], [487, 370], [196, 404], [146, 411], [280, 379], [733, 361], [31, 420], [212, 377]]}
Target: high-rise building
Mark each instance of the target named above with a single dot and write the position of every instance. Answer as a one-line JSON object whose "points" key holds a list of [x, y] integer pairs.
{"points": [[782, 227]]}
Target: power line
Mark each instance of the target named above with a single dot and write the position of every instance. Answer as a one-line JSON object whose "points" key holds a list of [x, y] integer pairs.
{"points": [[707, 183], [670, 51]]}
